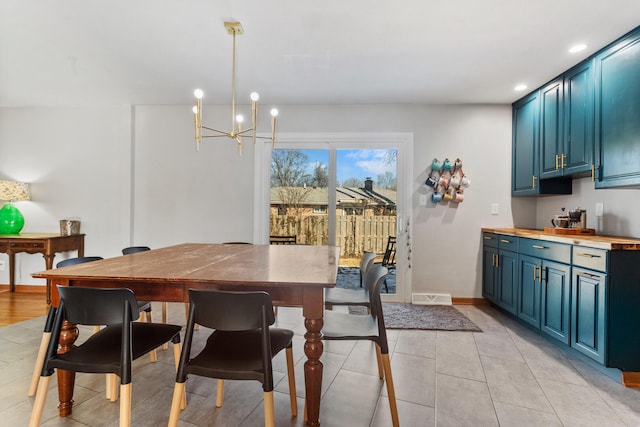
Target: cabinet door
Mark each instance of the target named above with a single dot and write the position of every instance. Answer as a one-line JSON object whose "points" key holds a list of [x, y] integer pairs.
{"points": [[508, 280], [579, 119], [588, 317], [551, 137], [529, 274], [555, 294], [489, 273], [525, 146], [617, 112]]}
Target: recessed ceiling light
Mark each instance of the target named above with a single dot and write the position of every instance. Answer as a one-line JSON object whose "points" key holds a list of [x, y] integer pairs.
{"points": [[520, 87], [577, 48]]}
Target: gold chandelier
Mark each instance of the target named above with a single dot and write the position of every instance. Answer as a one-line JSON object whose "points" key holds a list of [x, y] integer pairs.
{"points": [[236, 133]]}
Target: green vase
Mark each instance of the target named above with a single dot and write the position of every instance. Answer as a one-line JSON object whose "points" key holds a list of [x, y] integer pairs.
{"points": [[11, 219]]}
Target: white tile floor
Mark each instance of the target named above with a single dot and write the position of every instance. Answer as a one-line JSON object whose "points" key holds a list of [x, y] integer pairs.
{"points": [[505, 375]]}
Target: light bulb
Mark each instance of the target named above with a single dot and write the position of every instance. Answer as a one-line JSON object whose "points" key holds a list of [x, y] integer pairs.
{"points": [[254, 96], [198, 93], [274, 112], [195, 109], [239, 118]]}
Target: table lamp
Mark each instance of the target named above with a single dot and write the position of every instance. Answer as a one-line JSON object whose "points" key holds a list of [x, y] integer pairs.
{"points": [[11, 219]]}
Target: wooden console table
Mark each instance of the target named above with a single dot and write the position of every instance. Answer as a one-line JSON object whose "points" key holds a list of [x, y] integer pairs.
{"points": [[39, 243]]}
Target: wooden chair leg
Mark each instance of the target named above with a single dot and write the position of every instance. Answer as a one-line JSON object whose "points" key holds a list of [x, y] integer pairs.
{"points": [[178, 392], [164, 321], [379, 360], [37, 369], [107, 388], [176, 357], [269, 417], [114, 387], [41, 397], [125, 405], [292, 382], [390, 390], [220, 394]]}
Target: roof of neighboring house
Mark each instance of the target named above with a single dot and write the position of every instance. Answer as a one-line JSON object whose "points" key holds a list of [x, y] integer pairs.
{"points": [[344, 196]]}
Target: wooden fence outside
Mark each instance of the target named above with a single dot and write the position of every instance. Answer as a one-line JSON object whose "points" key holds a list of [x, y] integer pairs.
{"points": [[354, 233]]}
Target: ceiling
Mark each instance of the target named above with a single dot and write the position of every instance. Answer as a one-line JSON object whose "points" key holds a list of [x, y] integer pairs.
{"points": [[96, 52]]}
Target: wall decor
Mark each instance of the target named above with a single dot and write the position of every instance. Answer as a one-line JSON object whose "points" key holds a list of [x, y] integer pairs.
{"points": [[447, 181]]}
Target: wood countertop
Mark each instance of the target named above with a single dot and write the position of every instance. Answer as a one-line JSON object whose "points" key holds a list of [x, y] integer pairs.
{"points": [[599, 242]]}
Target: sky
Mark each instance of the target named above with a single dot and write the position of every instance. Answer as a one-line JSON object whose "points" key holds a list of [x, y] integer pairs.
{"points": [[355, 163]]}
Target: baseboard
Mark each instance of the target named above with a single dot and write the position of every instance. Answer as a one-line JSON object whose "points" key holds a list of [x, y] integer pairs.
{"points": [[470, 301], [26, 289], [631, 379]]}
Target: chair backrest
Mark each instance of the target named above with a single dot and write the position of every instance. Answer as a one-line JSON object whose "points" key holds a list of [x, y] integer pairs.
{"points": [[283, 240], [97, 306], [135, 249], [365, 264], [231, 311], [389, 257], [78, 260], [374, 278]]}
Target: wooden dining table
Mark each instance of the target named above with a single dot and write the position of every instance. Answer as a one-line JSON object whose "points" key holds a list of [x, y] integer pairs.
{"points": [[294, 275]]}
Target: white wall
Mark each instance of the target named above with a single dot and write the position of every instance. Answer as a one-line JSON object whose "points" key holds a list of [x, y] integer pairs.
{"points": [[77, 161]]}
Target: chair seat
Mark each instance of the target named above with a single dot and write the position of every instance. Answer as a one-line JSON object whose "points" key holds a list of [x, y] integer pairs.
{"points": [[341, 296], [345, 326], [101, 352], [236, 355]]}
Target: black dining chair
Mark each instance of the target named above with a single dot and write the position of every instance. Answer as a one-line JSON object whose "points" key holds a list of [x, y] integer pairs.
{"points": [[389, 258], [356, 327], [143, 306], [357, 297], [240, 348], [111, 350]]}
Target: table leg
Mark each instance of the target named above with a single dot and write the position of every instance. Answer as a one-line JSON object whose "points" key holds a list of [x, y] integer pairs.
{"points": [[312, 311], [66, 379], [48, 260], [12, 270]]}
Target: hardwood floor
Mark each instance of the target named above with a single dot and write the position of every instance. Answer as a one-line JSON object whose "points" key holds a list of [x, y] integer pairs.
{"points": [[21, 305]]}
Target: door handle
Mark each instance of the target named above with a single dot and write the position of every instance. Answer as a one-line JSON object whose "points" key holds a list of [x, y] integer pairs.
{"points": [[588, 276], [539, 247], [589, 255], [556, 162], [533, 181]]}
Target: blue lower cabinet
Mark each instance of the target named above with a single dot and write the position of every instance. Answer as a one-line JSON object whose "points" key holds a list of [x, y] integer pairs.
{"points": [[490, 275], [507, 285], [529, 276], [555, 300], [589, 313]]}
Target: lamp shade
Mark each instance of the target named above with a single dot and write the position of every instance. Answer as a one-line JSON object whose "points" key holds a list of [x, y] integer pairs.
{"points": [[11, 219], [14, 191]]}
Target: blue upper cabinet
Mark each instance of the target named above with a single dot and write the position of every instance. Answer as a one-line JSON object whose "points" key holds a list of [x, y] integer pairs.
{"points": [[525, 146], [526, 152], [579, 120], [567, 123], [551, 138], [618, 113]]}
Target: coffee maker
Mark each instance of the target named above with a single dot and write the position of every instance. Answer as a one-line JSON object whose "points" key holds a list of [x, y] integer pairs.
{"points": [[578, 218]]}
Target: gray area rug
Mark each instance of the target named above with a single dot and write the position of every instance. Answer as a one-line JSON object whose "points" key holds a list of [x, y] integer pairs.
{"points": [[409, 316]]}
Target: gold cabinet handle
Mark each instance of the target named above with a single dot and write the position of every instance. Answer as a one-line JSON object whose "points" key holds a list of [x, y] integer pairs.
{"points": [[593, 173], [563, 158], [488, 238], [556, 162], [589, 255], [539, 247], [533, 181], [497, 260]]}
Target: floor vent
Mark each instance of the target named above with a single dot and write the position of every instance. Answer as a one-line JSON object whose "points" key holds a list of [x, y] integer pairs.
{"points": [[431, 299]]}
